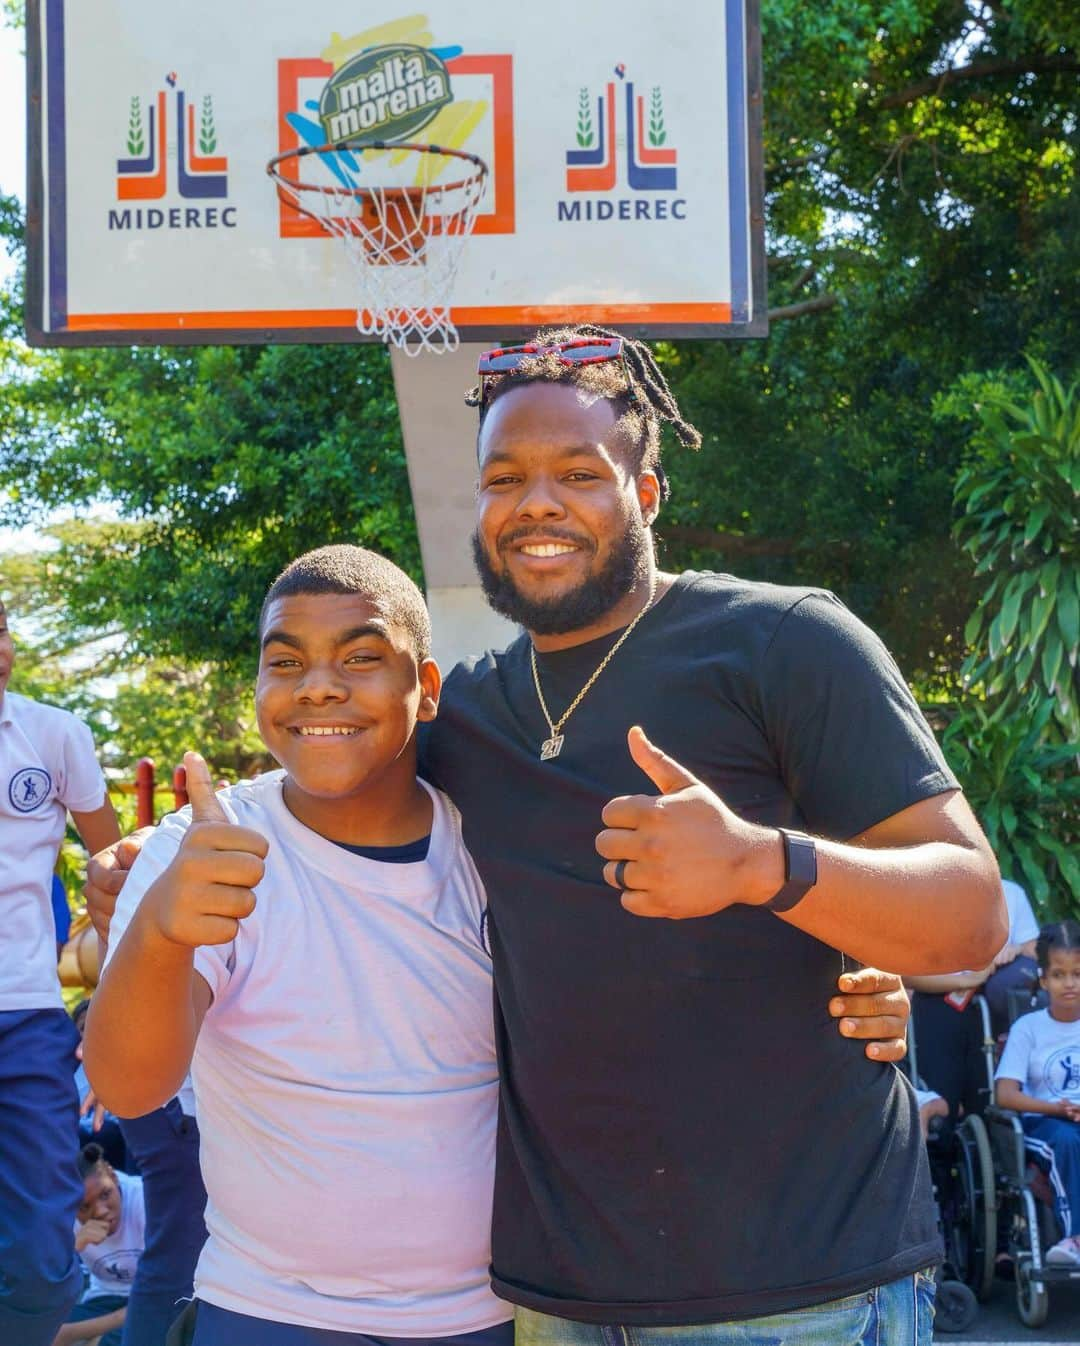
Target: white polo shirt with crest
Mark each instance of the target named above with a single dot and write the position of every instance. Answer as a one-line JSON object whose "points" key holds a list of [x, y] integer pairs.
{"points": [[47, 766]]}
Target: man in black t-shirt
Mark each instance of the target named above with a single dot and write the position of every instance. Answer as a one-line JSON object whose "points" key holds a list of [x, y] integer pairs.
{"points": [[684, 1139]]}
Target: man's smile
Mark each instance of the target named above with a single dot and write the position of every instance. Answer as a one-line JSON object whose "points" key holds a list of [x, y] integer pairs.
{"points": [[546, 548]]}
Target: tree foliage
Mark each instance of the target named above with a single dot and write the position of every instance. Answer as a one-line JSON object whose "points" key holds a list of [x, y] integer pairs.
{"points": [[1025, 791], [1020, 497], [135, 708], [221, 463], [1015, 740], [920, 167]]}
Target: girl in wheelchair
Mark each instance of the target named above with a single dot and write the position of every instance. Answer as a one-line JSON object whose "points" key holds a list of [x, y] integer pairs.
{"points": [[1039, 1077]]}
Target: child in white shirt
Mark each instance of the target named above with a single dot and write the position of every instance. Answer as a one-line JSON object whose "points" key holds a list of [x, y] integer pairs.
{"points": [[339, 1028], [1039, 1077], [110, 1231], [48, 768]]}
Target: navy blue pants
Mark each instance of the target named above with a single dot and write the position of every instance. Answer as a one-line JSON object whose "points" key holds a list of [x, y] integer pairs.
{"points": [[1055, 1143], [220, 1327], [40, 1189], [99, 1308], [165, 1144]]}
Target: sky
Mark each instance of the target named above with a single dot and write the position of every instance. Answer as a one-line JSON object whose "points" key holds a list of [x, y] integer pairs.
{"points": [[13, 183], [13, 117]]}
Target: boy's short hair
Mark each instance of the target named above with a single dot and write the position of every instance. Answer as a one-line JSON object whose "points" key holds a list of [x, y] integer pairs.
{"points": [[344, 569]]}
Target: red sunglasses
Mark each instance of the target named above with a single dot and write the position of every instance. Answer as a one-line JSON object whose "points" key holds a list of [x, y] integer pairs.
{"points": [[579, 351]]}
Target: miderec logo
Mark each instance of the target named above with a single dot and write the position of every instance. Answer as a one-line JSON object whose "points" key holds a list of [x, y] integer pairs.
{"points": [[200, 173], [636, 122]]}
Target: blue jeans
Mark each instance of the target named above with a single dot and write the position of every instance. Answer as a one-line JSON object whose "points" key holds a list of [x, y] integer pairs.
{"points": [[898, 1314], [40, 1188]]}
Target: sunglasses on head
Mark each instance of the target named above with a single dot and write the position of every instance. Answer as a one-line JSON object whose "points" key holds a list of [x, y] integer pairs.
{"points": [[579, 351]]}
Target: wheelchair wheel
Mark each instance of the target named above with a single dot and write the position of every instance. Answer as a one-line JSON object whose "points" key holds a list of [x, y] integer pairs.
{"points": [[955, 1307], [974, 1238], [1032, 1301]]}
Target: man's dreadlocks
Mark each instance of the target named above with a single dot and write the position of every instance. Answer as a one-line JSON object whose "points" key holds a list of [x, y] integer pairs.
{"points": [[644, 406]]}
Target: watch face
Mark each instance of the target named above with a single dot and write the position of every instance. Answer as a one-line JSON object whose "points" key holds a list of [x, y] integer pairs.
{"points": [[801, 860]]}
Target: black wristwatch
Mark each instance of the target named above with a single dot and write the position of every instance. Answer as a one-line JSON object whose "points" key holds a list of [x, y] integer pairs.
{"points": [[800, 871]]}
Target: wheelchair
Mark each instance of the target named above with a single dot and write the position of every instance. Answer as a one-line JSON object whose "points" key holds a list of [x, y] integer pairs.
{"points": [[965, 1189], [1029, 1222]]}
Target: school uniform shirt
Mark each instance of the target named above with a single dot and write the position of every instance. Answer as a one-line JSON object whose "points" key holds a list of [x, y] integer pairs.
{"points": [[345, 1082], [1022, 923], [111, 1264], [1043, 1055], [47, 766]]}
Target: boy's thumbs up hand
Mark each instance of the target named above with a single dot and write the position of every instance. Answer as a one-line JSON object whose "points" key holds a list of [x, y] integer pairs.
{"points": [[207, 890], [685, 852], [205, 805]]}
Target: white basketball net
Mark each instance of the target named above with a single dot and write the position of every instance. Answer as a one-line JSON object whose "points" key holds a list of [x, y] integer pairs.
{"points": [[405, 245]]}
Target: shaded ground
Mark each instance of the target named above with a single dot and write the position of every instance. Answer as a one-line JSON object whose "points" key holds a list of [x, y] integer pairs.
{"points": [[998, 1320]]}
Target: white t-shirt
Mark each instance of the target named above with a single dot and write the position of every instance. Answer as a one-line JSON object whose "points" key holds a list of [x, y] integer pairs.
{"points": [[112, 1263], [1022, 923], [47, 766], [1043, 1054], [346, 1084]]}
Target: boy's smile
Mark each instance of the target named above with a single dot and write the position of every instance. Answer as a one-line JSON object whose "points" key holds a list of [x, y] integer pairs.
{"points": [[338, 697]]}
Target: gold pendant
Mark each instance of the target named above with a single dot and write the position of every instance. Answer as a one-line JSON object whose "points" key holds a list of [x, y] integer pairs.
{"points": [[551, 747]]}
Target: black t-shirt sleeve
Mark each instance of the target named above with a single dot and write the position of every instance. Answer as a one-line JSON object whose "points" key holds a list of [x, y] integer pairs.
{"points": [[852, 745]]}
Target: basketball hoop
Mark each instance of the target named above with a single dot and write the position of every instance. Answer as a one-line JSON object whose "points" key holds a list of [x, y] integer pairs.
{"points": [[404, 241]]}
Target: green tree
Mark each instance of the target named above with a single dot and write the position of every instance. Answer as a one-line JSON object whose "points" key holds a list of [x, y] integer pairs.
{"points": [[222, 463], [1015, 739], [1026, 793], [1020, 497], [135, 708], [920, 178], [920, 168]]}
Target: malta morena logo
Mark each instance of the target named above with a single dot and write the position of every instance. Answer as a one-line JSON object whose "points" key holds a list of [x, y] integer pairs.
{"points": [[386, 93], [29, 788]]}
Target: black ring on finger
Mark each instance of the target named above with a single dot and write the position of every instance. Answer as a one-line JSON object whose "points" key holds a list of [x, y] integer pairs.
{"points": [[620, 873]]}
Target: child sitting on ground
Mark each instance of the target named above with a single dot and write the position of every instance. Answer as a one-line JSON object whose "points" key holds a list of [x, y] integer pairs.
{"points": [[109, 1240], [1039, 1077]]}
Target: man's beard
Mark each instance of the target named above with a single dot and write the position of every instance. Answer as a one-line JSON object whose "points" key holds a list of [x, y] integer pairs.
{"points": [[577, 608]]}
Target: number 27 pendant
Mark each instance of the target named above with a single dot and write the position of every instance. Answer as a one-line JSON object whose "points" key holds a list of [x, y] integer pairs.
{"points": [[551, 747]]}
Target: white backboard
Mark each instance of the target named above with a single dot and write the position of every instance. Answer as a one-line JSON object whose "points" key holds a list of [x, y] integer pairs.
{"points": [[623, 144]]}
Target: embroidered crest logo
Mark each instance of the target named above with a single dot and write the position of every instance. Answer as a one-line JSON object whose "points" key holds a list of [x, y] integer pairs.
{"points": [[29, 789], [1063, 1073]]}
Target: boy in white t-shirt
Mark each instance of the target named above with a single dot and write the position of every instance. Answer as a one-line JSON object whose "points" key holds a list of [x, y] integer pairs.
{"points": [[339, 1028], [48, 768]]}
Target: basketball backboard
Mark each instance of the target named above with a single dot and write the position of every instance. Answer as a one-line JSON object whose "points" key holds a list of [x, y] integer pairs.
{"points": [[623, 147]]}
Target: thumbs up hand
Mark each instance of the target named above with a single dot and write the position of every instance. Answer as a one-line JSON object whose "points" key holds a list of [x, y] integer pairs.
{"points": [[685, 852], [207, 890]]}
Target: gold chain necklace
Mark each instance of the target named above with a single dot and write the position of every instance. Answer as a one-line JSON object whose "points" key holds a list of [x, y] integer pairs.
{"points": [[551, 747]]}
